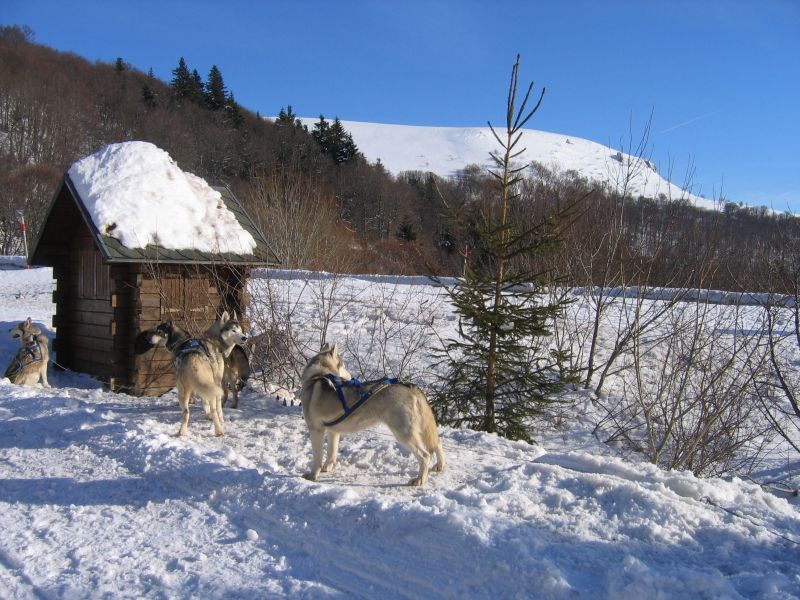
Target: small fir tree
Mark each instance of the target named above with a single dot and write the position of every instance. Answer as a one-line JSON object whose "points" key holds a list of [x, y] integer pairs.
{"points": [[216, 95], [499, 370], [334, 140], [287, 118], [186, 85], [405, 231], [234, 112]]}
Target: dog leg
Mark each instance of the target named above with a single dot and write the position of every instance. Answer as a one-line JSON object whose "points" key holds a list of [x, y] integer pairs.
{"points": [[317, 438], [234, 396], [216, 415], [333, 451], [208, 408], [416, 448], [45, 383], [440, 461], [225, 393], [183, 401]]}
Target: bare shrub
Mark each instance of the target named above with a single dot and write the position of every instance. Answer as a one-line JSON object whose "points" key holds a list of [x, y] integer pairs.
{"points": [[395, 333], [302, 222], [689, 401]]}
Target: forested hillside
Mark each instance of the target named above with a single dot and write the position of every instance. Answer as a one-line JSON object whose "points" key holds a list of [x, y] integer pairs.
{"points": [[324, 206]]}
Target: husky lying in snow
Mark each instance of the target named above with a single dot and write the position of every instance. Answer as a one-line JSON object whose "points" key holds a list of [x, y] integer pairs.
{"points": [[403, 407], [200, 364], [29, 365]]}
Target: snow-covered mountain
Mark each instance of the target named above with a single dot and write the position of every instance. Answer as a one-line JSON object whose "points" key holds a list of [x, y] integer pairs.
{"points": [[445, 150]]}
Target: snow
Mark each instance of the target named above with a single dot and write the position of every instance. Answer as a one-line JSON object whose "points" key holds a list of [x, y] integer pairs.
{"points": [[136, 193], [98, 498], [446, 150]]}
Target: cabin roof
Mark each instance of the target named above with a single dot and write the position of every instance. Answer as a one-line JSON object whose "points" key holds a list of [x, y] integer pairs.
{"points": [[114, 252]]}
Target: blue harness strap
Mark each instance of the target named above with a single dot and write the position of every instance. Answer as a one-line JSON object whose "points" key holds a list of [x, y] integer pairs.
{"points": [[31, 353], [363, 395], [189, 346]]}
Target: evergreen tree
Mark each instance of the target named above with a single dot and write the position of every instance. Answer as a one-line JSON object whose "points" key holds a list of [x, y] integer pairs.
{"points": [[216, 95], [196, 87], [234, 112], [342, 147], [148, 94], [186, 85], [405, 231], [321, 133], [334, 140], [289, 118], [500, 372]]}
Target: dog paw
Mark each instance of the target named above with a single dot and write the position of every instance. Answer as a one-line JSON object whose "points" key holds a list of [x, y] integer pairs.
{"points": [[416, 482], [310, 476], [326, 468], [438, 467]]}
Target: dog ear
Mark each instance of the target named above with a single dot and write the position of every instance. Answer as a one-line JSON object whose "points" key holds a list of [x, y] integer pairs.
{"points": [[225, 317], [325, 348], [28, 322], [334, 351]]}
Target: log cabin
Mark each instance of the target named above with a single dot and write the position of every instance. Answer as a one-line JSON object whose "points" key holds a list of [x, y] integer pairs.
{"points": [[107, 293]]}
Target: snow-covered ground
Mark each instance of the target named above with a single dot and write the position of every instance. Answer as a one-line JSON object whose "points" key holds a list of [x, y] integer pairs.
{"points": [[98, 498], [445, 150]]}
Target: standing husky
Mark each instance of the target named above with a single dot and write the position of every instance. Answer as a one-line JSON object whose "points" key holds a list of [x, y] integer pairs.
{"points": [[200, 364], [237, 371], [403, 407], [29, 365]]}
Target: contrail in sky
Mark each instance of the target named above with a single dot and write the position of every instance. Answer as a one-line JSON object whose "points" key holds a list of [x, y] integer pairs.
{"points": [[690, 121]]}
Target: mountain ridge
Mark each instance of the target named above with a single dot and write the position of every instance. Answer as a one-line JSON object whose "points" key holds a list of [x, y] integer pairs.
{"points": [[446, 150]]}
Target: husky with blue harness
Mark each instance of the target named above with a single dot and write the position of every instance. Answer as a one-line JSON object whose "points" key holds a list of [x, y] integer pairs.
{"points": [[29, 365], [335, 403], [200, 364]]}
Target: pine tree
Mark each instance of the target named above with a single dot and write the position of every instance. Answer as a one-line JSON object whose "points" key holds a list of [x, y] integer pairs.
{"points": [[186, 85], [233, 112], [216, 95], [149, 97], [289, 118], [405, 231], [500, 372], [334, 140], [342, 147], [321, 133], [196, 87]]}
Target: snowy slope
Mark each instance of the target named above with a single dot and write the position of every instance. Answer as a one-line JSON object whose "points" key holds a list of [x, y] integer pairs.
{"points": [[98, 498], [445, 150]]}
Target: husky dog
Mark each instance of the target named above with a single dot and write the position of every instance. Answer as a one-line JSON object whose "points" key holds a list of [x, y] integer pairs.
{"points": [[200, 364], [403, 407], [237, 371], [29, 365]]}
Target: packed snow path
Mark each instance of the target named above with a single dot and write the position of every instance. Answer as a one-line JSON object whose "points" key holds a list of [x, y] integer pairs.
{"points": [[98, 498]]}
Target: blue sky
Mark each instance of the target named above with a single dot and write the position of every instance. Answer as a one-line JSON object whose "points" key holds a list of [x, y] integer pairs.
{"points": [[721, 78]]}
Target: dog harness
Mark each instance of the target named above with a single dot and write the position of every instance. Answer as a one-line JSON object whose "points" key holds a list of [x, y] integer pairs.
{"points": [[363, 395], [190, 346], [29, 354]]}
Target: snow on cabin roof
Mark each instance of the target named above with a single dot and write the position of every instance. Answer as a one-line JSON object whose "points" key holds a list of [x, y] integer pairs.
{"points": [[135, 193]]}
